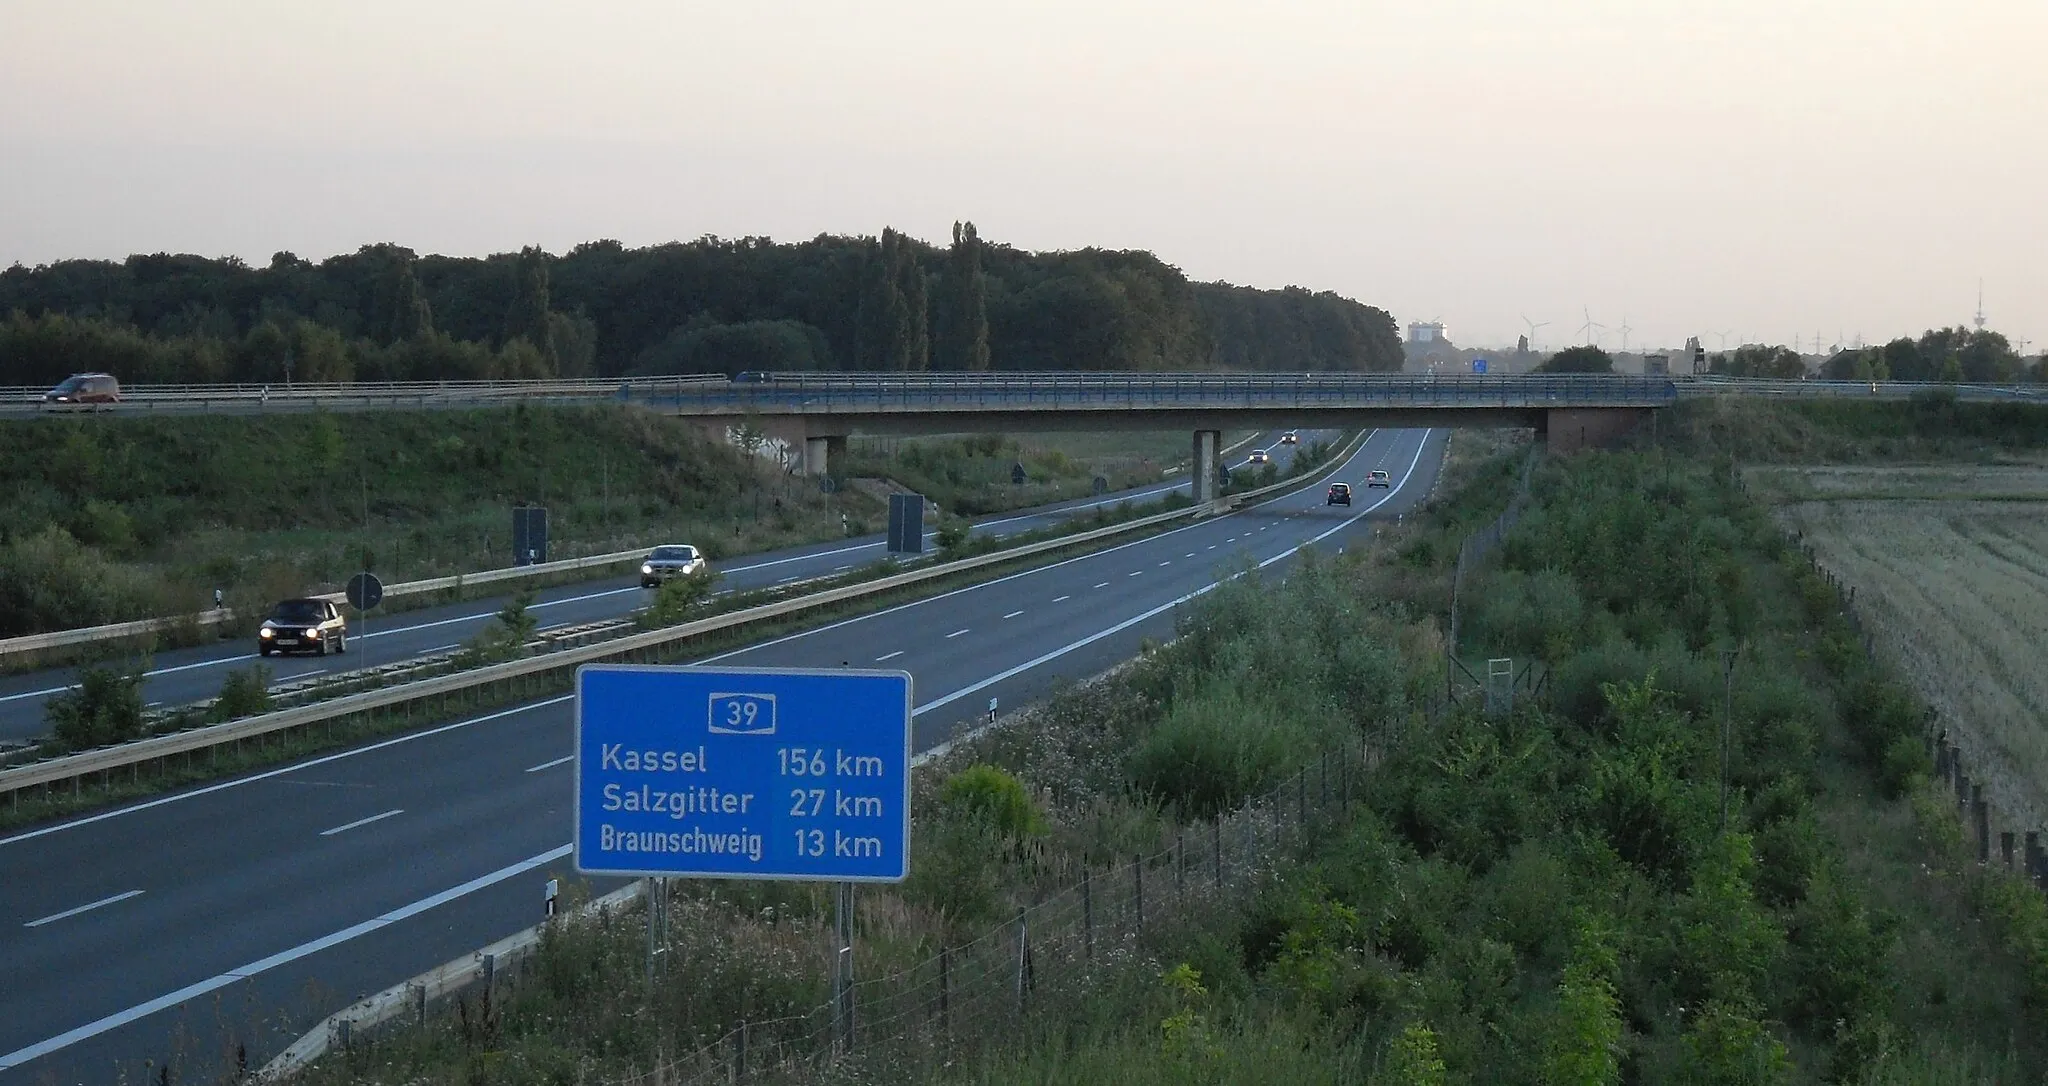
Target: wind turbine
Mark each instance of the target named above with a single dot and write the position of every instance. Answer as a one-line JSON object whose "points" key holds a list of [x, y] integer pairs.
{"points": [[1591, 327], [1723, 337], [1533, 325], [1624, 330]]}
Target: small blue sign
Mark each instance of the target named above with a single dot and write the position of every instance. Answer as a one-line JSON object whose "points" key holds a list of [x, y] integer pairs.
{"points": [[743, 773], [1479, 365]]}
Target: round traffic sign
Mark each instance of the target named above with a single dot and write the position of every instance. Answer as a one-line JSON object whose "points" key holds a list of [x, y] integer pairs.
{"points": [[365, 591]]}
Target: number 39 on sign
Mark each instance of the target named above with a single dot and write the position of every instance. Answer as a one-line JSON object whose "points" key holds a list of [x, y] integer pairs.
{"points": [[743, 714]]}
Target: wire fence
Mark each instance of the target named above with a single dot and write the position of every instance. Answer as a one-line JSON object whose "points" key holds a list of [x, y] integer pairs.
{"points": [[1050, 954], [1482, 543]]}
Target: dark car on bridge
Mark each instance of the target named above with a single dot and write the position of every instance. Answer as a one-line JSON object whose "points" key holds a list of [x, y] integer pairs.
{"points": [[304, 625], [84, 390], [1340, 494]]}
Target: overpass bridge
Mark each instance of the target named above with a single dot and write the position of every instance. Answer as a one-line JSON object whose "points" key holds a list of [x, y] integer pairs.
{"points": [[818, 412]]}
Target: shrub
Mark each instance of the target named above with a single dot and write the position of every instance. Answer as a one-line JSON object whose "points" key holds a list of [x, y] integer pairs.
{"points": [[245, 692], [105, 707], [504, 639], [1211, 754], [676, 598], [987, 794], [954, 869]]}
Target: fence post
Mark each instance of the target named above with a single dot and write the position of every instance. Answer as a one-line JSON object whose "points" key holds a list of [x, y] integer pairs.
{"points": [[2032, 861], [1180, 863], [1138, 891], [1216, 848], [1087, 920], [1981, 813], [1023, 957], [945, 991], [1301, 798], [739, 1052], [419, 1003]]}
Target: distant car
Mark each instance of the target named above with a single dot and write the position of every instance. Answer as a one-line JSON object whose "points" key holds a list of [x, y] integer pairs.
{"points": [[1378, 478], [303, 626], [1290, 438], [670, 560], [1340, 494], [1259, 456], [84, 390]]}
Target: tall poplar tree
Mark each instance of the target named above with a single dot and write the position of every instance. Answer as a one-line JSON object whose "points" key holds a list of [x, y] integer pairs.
{"points": [[963, 305], [528, 317]]}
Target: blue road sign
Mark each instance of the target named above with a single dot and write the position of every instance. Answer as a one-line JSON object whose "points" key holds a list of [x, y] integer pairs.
{"points": [[740, 773], [1479, 365]]}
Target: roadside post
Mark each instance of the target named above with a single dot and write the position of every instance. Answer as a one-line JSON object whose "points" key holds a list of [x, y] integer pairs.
{"points": [[364, 592], [745, 773]]}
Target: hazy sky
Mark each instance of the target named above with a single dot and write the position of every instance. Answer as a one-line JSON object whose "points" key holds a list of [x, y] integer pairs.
{"points": [[1759, 167]]}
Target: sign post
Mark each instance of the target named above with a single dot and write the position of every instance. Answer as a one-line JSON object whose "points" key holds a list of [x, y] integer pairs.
{"points": [[364, 592], [745, 773]]}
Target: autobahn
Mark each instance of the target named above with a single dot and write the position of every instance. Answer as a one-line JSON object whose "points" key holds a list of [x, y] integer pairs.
{"points": [[237, 914], [183, 676]]}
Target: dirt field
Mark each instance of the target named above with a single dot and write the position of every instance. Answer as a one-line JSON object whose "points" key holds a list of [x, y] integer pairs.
{"points": [[1950, 567]]}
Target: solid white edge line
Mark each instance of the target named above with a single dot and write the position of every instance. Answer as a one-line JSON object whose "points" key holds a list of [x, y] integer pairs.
{"points": [[550, 765], [1126, 624], [362, 822], [409, 737], [69, 913], [283, 957], [281, 770]]}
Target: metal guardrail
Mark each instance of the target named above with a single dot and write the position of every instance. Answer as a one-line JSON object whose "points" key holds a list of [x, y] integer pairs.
{"points": [[74, 767], [785, 394], [303, 396], [26, 643], [1698, 385]]}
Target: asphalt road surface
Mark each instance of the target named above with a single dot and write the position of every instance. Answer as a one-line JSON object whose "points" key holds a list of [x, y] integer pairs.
{"points": [[182, 676], [240, 913]]}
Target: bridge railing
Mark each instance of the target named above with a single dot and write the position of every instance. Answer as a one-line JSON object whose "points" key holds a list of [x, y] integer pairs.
{"points": [[146, 397], [807, 393]]}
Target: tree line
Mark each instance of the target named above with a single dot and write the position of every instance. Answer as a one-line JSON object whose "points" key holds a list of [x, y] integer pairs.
{"points": [[887, 303]]}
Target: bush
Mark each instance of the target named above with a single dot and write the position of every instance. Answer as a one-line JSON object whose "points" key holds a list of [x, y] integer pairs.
{"points": [[987, 794], [676, 598], [1210, 755], [245, 692], [105, 707], [504, 639]]}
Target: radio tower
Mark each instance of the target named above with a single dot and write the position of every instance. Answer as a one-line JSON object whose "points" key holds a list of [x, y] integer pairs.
{"points": [[1979, 320]]}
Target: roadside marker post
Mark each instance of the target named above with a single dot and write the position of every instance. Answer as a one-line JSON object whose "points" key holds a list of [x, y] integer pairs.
{"points": [[745, 773]]}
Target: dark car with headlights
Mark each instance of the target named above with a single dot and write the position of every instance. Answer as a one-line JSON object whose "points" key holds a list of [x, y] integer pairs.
{"points": [[669, 560], [84, 390], [1340, 494], [307, 625]]}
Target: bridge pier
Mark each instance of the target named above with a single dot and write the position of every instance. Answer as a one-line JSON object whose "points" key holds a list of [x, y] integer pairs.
{"points": [[1203, 469], [820, 453], [1569, 430]]}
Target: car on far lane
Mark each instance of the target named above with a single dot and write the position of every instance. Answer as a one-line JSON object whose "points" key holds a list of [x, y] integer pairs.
{"points": [[304, 625], [1259, 456], [1378, 478], [1340, 494], [1291, 437], [670, 560], [84, 390]]}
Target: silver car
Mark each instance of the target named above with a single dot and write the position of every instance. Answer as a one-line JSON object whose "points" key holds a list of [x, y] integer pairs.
{"points": [[670, 560]]}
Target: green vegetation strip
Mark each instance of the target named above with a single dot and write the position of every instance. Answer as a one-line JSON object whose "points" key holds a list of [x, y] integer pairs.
{"points": [[1545, 893]]}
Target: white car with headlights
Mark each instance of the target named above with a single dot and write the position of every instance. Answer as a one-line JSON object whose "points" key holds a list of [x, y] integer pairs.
{"points": [[670, 560]]}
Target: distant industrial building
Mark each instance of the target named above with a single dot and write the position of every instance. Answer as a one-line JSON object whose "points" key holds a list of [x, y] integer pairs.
{"points": [[1425, 331]]}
